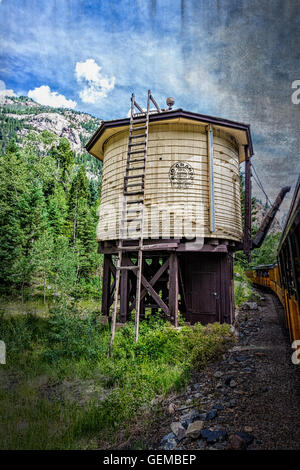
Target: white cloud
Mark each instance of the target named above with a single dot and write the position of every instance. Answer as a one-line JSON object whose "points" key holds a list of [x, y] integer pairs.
{"points": [[96, 86], [45, 96], [3, 89]]}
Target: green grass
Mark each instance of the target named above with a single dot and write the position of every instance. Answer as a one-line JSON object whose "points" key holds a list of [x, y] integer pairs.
{"points": [[49, 360], [242, 287]]}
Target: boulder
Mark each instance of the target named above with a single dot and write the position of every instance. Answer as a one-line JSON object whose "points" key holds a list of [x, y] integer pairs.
{"points": [[194, 429], [178, 430], [235, 442]]}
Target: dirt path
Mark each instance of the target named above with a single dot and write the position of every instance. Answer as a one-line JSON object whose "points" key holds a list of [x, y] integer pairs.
{"points": [[254, 390]]}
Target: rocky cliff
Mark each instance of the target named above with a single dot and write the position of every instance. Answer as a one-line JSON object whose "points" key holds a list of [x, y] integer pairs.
{"points": [[21, 115]]}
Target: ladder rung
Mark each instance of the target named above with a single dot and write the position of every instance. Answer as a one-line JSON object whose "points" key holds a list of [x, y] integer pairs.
{"points": [[136, 219], [136, 168], [136, 144], [135, 193], [137, 160], [137, 136], [135, 176], [129, 268], [133, 152], [137, 201], [138, 128], [132, 185]]}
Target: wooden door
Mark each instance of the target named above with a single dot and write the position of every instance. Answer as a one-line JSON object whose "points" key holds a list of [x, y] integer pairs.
{"points": [[202, 284]]}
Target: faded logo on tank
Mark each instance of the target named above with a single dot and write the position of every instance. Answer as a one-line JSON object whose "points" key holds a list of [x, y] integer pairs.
{"points": [[181, 175]]}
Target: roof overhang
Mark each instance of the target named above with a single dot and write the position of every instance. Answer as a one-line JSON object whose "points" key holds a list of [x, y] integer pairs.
{"points": [[241, 132]]}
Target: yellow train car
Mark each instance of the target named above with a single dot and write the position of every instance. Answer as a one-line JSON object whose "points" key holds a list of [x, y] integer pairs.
{"points": [[283, 277]]}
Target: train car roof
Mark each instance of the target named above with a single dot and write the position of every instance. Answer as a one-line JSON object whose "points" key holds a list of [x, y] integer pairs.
{"points": [[294, 212], [240, 131], [264, 266]]}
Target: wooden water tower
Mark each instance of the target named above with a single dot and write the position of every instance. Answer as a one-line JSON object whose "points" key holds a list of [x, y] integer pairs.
{"points": [[171, 209]]}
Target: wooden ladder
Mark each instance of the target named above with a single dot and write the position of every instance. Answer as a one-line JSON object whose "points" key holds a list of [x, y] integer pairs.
{"points": [[133, 204]]}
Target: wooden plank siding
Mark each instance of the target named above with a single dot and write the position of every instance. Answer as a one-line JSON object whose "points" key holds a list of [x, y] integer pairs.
{"points": [[168, 144]]}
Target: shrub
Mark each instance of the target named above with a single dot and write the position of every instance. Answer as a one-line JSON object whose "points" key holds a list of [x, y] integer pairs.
{"points": [[72, 336]]}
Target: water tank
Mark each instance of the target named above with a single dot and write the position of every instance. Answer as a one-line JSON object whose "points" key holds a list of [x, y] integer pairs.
{"points": [[192, 176]]}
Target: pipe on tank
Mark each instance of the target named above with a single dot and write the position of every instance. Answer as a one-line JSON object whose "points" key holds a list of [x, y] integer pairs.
{"points": [[268, 219]]}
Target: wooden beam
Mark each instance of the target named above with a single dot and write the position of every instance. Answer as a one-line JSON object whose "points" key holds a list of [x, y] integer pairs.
{"points": [[173, 289], [182, 285], [124, 292], [210, 154], [151, 291], [154, 279], [106, 286], [112, 266], [206, 248]]}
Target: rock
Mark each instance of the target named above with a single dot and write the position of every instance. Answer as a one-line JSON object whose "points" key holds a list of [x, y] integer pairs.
{"points": [[201, 444], [168, 437], [228, 379], [241, 358], [250, 306], [235, 442], [170, 445], [219, 385], [188, 418], [218, 374], [247, 438], [211, 414], [218, 407], [194, 429], [232, 383], [213, 436], [178, 430], [248, 429], [171, 408]]}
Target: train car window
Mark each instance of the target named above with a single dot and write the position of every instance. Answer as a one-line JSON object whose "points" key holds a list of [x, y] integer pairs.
{"points": [[286, 263], [294, 249]]}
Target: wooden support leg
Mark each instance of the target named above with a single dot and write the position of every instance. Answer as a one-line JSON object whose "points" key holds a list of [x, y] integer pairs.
{"points": [[173, 289], [106, 286], [124, 297]]}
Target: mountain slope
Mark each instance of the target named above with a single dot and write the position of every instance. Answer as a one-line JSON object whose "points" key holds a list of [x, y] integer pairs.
{"points": [[21, 115]]}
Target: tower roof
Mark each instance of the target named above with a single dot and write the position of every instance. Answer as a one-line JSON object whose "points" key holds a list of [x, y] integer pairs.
{"points": [[240, 131]]}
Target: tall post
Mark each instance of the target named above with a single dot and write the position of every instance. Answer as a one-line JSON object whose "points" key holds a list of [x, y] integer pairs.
{"points": [[210, 154], [173, 289], [124, 292], [248, 197], [106, 286]]}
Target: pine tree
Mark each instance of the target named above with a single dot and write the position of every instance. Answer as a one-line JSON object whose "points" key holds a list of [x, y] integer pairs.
{"points": [[42, 255], [79, 193], [64, 157]]}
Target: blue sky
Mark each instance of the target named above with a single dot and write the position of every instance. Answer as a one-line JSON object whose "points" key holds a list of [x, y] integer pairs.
{"points": [[235, 59]]}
